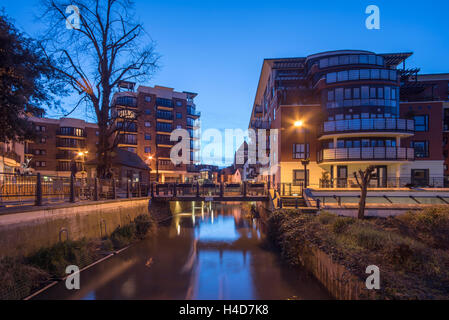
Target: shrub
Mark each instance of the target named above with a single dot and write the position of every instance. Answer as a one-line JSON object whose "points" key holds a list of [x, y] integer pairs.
{"points": [[367, 237], [18, 280], [430, 225], [144, 224], [340, 225], [123, 236], [107, 245], [55, 259], [326, 217]]}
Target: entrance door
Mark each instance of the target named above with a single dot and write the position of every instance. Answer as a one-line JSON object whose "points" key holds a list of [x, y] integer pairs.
{"points": [[381, 176], [342, 176]]}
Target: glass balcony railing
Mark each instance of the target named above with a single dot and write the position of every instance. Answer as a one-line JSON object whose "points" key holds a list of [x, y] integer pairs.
{"points": [[367, 125], [366, 154]]}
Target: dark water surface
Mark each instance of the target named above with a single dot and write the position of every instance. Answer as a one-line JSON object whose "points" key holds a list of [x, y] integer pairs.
{"points": [[210, 253]]}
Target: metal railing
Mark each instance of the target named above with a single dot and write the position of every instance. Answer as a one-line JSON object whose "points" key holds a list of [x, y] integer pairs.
{"points": [[408, 182], [29, 190], [366, 153], [290, 189], [245, 189], [366, 125]]}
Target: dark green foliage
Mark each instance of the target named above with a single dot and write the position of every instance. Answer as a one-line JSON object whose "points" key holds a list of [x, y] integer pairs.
{"points": [[55, 259], [123, 236], [27, 82], [17, 279], [144, 224]]}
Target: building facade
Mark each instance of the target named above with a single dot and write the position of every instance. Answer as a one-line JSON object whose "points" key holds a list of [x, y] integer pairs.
{"points": [[145, 121], [343, 111]]}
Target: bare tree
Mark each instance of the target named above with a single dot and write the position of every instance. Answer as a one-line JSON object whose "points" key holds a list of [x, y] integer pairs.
{"points": [[363, 179], [109, 46]]}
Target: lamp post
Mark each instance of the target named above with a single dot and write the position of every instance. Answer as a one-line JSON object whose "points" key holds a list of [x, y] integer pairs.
{"points": [[306, 161], [150, 158]]}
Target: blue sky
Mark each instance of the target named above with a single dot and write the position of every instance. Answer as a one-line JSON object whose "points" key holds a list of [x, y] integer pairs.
{"points": [[216, 48]]}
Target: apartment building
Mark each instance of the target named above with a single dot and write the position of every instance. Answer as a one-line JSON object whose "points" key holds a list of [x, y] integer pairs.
{"points": [[146, 119], [11, 157], [338, 112], [61, 141]]}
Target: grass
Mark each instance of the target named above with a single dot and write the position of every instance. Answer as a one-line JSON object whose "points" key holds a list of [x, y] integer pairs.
{"points": [[411, 250], [21, 276]]}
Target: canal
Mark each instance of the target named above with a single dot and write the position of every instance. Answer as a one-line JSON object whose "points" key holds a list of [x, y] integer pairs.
{"points": [[214, 252]]}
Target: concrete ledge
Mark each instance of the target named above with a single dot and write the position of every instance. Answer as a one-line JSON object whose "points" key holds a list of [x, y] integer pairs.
{"points": [[23, 233]]}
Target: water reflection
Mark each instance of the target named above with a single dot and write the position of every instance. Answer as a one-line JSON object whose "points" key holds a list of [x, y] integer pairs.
{"points": [[210, 252]]}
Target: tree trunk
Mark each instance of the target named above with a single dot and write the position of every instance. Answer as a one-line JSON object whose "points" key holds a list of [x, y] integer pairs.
{"points": [[362, 204]]}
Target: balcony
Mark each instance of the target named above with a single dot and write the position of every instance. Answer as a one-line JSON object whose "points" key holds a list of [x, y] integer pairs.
{"points": [[72, 132], [258, 109], [126, 101], [368, 125], [10, 155], [193, 113], [258, 124], [366, 154]]}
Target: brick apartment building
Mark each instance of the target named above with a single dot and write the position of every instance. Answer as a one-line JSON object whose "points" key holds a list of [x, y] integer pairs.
{"points": [[345, 110], [144, 120]]}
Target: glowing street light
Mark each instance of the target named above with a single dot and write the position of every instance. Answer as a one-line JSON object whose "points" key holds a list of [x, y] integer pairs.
{"points": [[299, 124]]}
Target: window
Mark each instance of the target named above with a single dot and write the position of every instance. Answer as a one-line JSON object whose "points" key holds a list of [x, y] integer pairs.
{"points": [[147, 98], [299, 151], [179, 103], [147, 136], [421, 148], [420, 177], [43, 140], [147, 112], [331, 77], [147, 124], [178, 115], [421, 123], [147, 149], [298, 177]]}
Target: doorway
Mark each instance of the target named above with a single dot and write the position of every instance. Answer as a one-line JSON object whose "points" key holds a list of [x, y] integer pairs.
{"points": [[342, 176]]}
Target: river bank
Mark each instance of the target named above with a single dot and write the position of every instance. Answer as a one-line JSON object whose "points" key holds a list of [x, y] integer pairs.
{"points": [[411, 251], [21, 276]]}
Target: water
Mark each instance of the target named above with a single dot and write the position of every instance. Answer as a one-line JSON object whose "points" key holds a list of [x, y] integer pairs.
{"points": [[215, 253]]}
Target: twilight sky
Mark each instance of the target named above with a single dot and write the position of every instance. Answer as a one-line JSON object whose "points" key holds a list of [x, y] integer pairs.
{"points": [[216, 47]]}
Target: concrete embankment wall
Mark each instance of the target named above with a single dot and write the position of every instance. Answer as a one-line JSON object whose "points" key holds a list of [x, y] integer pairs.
{"points": [[23, 233], [339, 282]]}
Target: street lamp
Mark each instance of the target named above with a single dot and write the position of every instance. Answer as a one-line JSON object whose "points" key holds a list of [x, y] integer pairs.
{"points": [[305, 162]]}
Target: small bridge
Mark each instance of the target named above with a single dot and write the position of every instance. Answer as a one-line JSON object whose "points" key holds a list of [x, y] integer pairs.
{"points": [[209, 192]]}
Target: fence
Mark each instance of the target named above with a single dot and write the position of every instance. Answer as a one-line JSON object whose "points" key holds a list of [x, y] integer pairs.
{"points": [[20, 190], [431, 182], [208, 189]]}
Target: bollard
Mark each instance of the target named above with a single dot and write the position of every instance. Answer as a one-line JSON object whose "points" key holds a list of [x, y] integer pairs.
{"points": [[72, 189], [38, 201], [197, 189], [96, 194], [128, 190], [244, 189]]}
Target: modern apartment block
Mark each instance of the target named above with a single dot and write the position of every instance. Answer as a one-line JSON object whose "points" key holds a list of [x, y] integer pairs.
{"points": [[144, 122], [346, 110], [61, 142], [146, 119]]}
